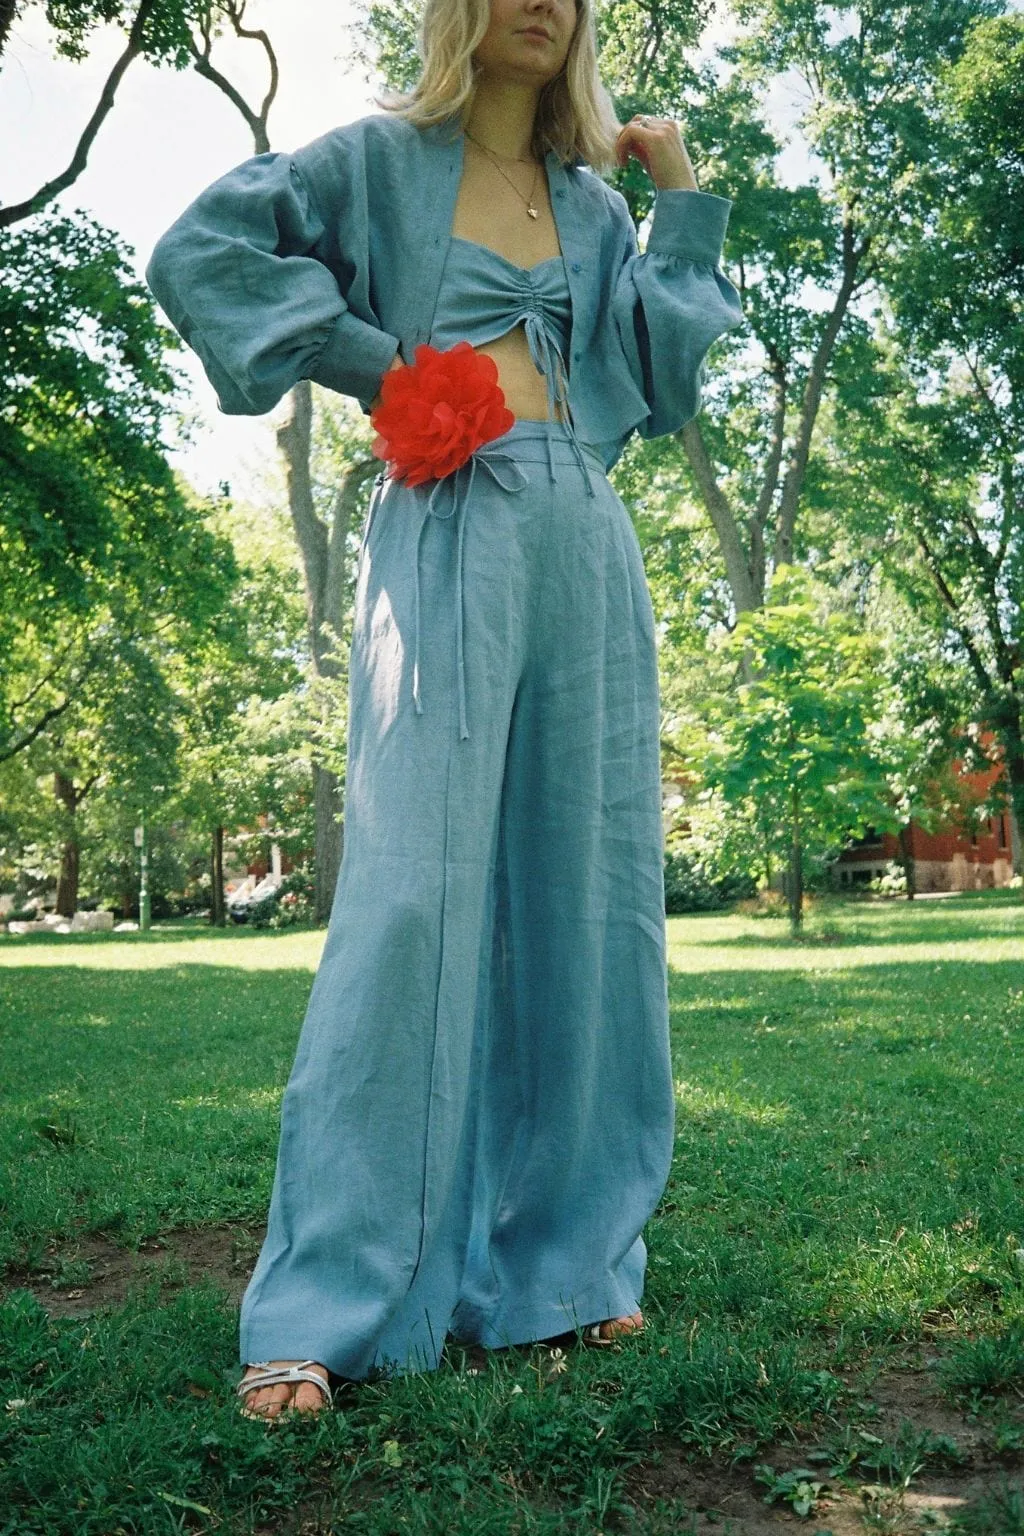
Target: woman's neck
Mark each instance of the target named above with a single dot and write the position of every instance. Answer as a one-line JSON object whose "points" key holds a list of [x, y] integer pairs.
{"points": [[501, 117]]}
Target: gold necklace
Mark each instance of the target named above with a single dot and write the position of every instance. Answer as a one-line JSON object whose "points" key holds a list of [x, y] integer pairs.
{"points": [[531, 210]]}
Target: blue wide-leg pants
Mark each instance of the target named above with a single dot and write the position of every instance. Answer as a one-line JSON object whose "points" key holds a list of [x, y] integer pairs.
{"points": [[479, 1119]]}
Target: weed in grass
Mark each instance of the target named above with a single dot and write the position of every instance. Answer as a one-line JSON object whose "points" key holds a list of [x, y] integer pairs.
{"points": [[1001, 1513], [799, 1488], [1007, 1438], [883, 1509], [977, 1368], [69, 1272], [914, 1451]]}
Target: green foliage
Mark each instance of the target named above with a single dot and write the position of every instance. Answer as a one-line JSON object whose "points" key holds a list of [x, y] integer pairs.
{"points": [[992, 1363], [292, 905], [84, 391], [794, 748], [689, 887], [799, 1487], [166, 35], [385, 41]]}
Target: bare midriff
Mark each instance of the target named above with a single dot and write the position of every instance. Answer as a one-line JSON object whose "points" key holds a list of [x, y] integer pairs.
{"points": [[491, 214]]}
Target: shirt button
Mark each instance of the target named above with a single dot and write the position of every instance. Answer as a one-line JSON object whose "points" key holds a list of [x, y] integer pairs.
{"points": [[560, 192], [577, 266], [576, 356]]}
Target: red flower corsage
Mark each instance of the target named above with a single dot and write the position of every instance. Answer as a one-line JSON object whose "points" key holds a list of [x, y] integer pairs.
{"points": [[437, 411]]}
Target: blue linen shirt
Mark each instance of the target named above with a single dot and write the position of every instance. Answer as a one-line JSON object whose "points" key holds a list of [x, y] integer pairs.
{"points": [[325, 263]]}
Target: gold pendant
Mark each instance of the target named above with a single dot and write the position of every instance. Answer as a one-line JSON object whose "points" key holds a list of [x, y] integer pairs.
{"points": [[531, 210]]}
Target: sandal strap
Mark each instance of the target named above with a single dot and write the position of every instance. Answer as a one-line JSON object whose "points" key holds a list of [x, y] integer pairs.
{"points": [[594, 1334], [274, 1375]]}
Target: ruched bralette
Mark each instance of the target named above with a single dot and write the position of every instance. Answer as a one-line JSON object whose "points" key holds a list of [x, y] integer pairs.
{"points": [[483, 295]]}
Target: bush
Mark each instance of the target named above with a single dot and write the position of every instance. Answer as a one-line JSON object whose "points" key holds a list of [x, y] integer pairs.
{"points": [[22, 915], [893, 882], [689, 887], [291, 905]]}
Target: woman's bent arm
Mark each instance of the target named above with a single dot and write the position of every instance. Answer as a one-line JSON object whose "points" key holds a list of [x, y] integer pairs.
{"points": [[672, 302], [238, 276]]}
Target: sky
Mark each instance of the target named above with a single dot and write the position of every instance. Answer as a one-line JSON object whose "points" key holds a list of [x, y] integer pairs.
{"points": [[169, 135]]}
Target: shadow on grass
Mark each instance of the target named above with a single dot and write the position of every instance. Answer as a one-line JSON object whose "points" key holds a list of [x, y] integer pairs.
{"points": [[962, 919]]}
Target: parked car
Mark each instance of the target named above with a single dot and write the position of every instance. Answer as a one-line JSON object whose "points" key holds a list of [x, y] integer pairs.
{"points": [[248, 894]]}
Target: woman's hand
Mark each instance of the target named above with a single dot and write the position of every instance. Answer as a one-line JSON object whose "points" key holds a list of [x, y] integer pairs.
{"points": [[658, 145], [396, 362]]}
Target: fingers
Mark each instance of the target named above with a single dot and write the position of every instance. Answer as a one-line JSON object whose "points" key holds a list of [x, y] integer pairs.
{"points": [[642, 134]]}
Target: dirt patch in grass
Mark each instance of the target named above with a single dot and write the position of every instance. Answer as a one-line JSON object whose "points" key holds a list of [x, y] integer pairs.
{"points": [[77, 1276], [887, 1412], [898, 1410]]}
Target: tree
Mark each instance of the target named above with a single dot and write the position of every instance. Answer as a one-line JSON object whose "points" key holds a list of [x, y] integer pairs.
{"points": [[796, 751], [954, 373], [803, 258], [84, 391], [242, 739]]}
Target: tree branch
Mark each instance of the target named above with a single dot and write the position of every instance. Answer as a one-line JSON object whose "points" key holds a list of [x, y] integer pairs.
{"points": [[793, 485], [953, 607], [257, 35], [737, 569], [294, 438], [80, 158], [345, 505], [7, 751], [256, 121]]}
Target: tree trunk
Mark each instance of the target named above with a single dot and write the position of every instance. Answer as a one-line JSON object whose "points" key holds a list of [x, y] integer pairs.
{"points": [[67, 883], [327, 804], [1015, 774], [907, 860], [218, 912], [322, 551], [796, 868]]}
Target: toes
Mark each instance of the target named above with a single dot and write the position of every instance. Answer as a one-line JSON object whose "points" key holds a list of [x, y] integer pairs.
{"points": [[308, 1398], [271, 1401]]}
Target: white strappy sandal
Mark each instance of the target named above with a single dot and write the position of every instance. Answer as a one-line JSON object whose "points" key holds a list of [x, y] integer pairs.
{"points": [[272, 1376], [602, 1335]]}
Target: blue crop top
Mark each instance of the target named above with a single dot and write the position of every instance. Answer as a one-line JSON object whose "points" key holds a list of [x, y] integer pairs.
{"points": [[483, 295]]}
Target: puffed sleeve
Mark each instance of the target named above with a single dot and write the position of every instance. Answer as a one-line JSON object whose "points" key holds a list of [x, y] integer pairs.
{"points": [[238, 276], [672, 302]]}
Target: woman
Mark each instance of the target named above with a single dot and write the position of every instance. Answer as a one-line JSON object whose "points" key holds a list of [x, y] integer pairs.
{"points": [[479, 1119]]}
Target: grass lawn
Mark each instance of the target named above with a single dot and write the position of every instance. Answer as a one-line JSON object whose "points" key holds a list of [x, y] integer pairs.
{"points": [[836, 1281]]}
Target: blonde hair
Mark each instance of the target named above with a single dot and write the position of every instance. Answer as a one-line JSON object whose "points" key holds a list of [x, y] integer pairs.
{"points": [[575, 116]]}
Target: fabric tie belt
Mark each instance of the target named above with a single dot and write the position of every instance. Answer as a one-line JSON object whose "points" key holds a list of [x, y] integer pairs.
{"points": [[460, 486]]}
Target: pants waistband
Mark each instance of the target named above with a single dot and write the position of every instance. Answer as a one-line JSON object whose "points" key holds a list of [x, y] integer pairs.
{"points": [[531, 440], [526, 442]]}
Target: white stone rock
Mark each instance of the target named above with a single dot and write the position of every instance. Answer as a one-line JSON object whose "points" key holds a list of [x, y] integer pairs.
{"points": [[92, 922]]}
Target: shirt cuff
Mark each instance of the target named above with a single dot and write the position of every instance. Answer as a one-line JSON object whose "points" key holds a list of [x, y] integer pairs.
{"points": [[689, 224], [355, 359]]}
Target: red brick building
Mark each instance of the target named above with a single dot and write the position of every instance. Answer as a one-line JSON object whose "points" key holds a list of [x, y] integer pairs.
{"points": [[967, 857]]}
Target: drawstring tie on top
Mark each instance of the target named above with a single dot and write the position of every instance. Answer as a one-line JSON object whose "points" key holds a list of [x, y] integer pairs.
{"points": [[489, 461]]}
